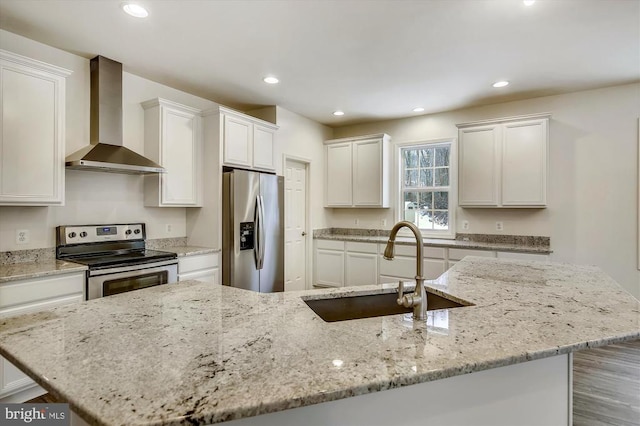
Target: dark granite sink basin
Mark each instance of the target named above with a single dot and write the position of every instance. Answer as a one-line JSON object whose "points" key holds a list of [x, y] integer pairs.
{"points": [[374, 305]]}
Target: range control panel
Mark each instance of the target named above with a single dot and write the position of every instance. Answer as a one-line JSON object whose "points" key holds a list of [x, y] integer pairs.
{"points": [[97, 233]]}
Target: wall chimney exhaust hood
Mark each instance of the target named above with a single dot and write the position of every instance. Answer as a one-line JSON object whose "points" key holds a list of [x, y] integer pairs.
{"points": [[106, 152]]}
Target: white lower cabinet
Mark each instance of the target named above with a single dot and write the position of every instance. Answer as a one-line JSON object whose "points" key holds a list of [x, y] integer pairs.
{"points": [[329, 263], [200, 267], [361, 264], [28, 296]]}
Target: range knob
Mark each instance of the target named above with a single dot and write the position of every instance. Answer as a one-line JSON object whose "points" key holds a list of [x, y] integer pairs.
{"points": [[127, 232], [136, 231], [71, 235], [83, 234]]}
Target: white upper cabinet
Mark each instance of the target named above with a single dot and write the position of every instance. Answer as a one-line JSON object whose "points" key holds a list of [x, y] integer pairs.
{"points": [[173, 138], [247, 141], [504, 162], [32, 141], [357, 171]]}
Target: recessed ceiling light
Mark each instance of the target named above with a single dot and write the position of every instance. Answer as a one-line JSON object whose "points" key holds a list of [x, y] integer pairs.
{"points": [[528, 2], [338, 113], [418, 109], [271, 80], [500, 83], [135, 10]]}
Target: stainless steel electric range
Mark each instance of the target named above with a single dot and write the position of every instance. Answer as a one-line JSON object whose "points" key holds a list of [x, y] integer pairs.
{"points": [[117, 258]]}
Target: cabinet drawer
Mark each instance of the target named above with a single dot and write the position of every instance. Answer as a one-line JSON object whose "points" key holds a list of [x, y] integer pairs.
{"points": [[42, 292], [410, 251], [361, 247], [195, 263], [459, 254], [205, 275], [330, 244]]}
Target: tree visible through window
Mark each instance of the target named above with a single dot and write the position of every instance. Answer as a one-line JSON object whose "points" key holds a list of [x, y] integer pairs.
{"points": [[426, 185]]}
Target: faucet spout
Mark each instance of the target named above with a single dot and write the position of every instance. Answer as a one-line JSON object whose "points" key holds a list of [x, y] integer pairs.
{"points": [[417, 300]]}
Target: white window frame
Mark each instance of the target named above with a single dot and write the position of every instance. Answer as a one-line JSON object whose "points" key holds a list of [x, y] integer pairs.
{"points": [[449, 234]]}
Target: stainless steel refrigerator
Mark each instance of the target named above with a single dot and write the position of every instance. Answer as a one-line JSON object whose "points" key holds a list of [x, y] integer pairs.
{"points": [[253, 231]]}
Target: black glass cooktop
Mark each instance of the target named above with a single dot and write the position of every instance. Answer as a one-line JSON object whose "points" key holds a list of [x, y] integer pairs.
{"points": [[109, 260]]}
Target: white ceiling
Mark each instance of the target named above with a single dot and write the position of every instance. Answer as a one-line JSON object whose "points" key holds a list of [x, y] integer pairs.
{"points": [[372, 59]]}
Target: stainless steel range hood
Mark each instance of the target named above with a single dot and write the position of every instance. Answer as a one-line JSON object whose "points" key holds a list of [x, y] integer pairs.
{"points": [[106, 153]]}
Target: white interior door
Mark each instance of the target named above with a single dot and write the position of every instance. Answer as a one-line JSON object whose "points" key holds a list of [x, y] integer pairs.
{"points": [[295, 234]]}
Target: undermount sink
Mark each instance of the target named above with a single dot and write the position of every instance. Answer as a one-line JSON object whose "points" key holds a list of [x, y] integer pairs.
{"points": [[373, 305]]}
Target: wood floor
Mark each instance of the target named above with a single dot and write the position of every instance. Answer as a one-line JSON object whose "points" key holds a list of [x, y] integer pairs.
{"points": [[606, 386]]}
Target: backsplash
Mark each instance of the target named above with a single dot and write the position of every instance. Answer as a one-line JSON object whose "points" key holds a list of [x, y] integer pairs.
{"points": [[160, 243], [521, 240], [23, 256]]}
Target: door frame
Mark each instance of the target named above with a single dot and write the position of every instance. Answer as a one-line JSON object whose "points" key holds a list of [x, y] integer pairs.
{"points": [[307, 220]]}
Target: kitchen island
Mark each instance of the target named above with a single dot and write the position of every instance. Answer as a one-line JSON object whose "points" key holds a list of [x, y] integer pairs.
{"points": [[197, 353]]}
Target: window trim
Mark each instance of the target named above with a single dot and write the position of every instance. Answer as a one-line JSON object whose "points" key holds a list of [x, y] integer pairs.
{"points": [[449, 234]]}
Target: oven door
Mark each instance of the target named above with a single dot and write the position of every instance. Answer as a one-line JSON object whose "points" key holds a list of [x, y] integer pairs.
{"points": [[106, 282]]}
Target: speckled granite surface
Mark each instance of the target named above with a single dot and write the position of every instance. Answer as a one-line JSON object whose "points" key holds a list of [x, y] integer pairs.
{"points": [[26, 270], [508, 243], [196, 353], [24, 256], [161, 243], [183, 251]]}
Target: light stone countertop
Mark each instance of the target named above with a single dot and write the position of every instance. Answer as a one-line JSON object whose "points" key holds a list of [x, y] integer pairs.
{"points": [[433, 242], [198, 353], [183, 251], [41, 268]]}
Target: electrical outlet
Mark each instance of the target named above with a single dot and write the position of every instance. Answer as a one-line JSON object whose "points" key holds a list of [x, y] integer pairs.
{"points": [[357, 221], [384, 222], [465, 225], [22, 236], [499, 226], [168, 228]]}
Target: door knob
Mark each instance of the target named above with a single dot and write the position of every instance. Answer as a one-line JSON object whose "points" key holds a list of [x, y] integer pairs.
{"points": [[304, 233]]}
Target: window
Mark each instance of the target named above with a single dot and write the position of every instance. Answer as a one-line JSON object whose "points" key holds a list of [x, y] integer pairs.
{"points": [[427, 177]]}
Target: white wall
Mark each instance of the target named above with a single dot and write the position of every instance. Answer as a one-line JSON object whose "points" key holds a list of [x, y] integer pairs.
{"points": [[93, 197], [301, 137], [592, 217]]}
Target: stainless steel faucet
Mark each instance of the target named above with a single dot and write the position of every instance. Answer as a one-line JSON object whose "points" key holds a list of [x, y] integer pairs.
{"points": [[417, 300]]}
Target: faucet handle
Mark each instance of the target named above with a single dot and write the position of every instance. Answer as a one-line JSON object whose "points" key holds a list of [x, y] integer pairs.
{"points": [[400, 292]]}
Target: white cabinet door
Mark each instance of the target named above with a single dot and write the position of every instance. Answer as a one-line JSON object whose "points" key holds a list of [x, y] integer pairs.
{"points": [[338, 175], [28, 296], [263, 148], [503, 163], [479, 156], [524, 163], [247, 141], [361, 268], [173, 139], [329, 268], [367, 173], [237, 141], [357, 172], [32, 98]]}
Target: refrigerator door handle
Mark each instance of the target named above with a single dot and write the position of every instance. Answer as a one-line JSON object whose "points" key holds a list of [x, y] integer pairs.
{"points": [[256, 232], [261, 231]]}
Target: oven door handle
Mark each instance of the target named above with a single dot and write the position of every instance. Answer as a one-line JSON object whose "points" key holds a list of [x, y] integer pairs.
{"points": [[143, 266]]}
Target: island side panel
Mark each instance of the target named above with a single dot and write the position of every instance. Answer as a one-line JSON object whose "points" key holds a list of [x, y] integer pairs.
{"points": [[526, 394]]}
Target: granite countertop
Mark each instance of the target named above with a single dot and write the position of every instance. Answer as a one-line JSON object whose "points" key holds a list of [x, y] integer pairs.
{"points": [[40, 268], [196, 353], [183, 251], [433, 242]]}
